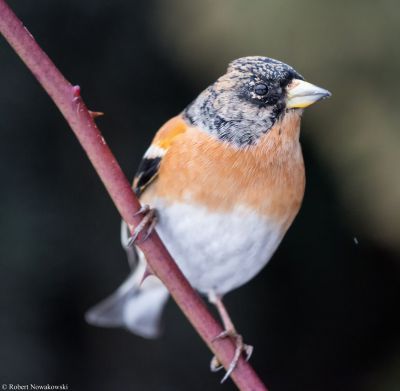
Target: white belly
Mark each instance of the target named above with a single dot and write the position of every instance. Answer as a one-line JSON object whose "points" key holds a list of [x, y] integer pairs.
{"points": [[218, 251]]}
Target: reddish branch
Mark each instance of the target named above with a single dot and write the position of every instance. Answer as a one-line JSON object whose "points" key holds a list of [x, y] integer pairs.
{"points": [[69, 102]]}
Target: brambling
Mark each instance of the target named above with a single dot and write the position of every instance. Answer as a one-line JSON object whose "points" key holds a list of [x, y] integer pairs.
{"points": [[224, 179]]}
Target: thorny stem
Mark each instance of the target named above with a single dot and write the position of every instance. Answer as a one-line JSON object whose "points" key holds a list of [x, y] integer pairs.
{"points": [[69, 102]]}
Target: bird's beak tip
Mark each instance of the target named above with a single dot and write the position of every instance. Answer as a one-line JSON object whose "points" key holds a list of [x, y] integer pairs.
{"points": [[301, 94]]}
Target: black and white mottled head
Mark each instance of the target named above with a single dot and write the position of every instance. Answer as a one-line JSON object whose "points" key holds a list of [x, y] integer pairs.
{"points": [[249, 98]]}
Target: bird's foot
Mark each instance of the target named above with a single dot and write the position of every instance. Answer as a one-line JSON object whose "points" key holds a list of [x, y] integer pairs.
{"points": [[215, 365], [149, 220]]}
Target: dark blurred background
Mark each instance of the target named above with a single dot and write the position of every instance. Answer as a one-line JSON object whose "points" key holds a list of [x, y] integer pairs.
{"points": [[323, 315]]}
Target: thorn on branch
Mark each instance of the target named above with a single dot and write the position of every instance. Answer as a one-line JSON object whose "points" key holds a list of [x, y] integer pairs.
{"points": [[76, 90], [95, 114], [77, 99], [147, 273]]}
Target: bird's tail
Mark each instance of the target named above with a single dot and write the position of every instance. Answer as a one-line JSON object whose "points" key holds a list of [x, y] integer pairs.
{"points": [[136, 305]]}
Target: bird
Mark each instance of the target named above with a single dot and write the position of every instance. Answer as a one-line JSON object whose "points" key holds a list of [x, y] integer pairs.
{"points": [[221, 183]]}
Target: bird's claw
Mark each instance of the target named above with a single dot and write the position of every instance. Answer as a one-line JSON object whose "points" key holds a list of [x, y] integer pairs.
{"points": [[215, 365], [149, 219]]}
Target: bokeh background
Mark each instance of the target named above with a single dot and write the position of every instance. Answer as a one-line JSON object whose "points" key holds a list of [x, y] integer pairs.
{"points": [[323, 315]]}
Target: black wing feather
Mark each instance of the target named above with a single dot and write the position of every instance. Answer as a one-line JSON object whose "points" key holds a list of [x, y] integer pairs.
{"points": [[146, 173]]}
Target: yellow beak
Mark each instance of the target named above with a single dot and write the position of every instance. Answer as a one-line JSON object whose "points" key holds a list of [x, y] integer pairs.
{"points": [[301, 94]]}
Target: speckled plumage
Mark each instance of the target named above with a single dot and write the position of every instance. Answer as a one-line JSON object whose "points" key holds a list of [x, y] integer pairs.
{"points": [[230, 110]]}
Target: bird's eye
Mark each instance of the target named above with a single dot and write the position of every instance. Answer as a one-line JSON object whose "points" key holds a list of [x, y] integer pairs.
{"points": [[261, 89]]}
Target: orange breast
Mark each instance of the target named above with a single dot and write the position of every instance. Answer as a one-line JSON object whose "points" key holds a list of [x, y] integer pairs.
{"points": [[267, 178]]}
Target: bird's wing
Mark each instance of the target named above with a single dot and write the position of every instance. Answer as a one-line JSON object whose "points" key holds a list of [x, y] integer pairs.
{"points": [[134, 305], [150, 164], [148, 171]]}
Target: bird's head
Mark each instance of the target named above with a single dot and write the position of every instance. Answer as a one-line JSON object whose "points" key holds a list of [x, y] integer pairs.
{"points": [[250, 98]]}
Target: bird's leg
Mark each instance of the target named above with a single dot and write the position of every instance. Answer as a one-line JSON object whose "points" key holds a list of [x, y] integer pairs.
{"points": [[230, 332], [149, 220]]}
